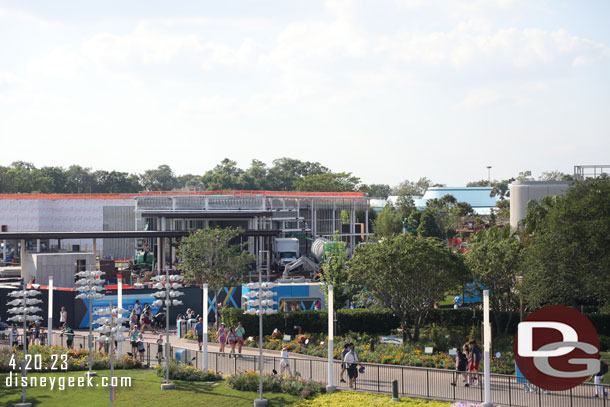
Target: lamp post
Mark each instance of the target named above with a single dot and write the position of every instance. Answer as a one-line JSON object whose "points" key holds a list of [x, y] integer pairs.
{"points": [[23, 308], [489, 175], [486, 349], [50, 316], [112, 328], [90, 287], [265, 306], [205, 327], [167, 286], [330, 387]]}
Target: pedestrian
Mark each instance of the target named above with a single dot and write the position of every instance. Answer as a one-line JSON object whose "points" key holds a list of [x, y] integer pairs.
{"points": [[138, 310], [133, 319], [145, 320], [199, 331], [351, 363], [42, 336], [241, 335], [63, 317], [69, 336], [343, 367], [221, 335], [475, 359], [598, 378], [134, 341], [141, 347], [14, 336], [284, 362], [160, 348], [36, 334], [461, 364], [232, 339], [457, 301]]}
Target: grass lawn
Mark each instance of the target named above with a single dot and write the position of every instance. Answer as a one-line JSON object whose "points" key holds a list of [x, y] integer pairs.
{"points": [[145, 390], [358, 399]]}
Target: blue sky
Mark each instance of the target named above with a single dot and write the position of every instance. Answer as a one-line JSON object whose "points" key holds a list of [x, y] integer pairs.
{"points": [[389, 90]]}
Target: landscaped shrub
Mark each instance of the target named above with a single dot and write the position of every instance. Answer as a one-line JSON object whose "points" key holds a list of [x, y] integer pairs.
{"points": [[249, 381], [180, 371], [77, 359], [361, 399]]}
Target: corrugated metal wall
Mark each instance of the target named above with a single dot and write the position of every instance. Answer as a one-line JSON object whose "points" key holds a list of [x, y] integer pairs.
{"points": [[119, 218]]}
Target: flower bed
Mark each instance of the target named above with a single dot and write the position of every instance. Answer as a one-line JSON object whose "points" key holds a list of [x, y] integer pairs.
{"points": [[76, 359], [180, 371], [360, 399], [249, 381], [404, 355]]}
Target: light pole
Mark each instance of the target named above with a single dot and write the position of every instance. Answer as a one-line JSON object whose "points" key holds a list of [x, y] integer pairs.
{"points": [[205, 327], [90, 286], [330, 387], [50, 316], [265, 306], [23, 308], [112, 328], [489, 175], [167, 285], [486, 349]]}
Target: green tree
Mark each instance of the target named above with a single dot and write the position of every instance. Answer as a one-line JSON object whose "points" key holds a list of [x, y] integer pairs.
{"points": [[224, 176], [503, 206], [335, 273], [388, 222], [555, 176], [408, 275], [428, 226], [495, 259], [160, 179], [567, 242], [285, 171], [381, 191], [210, 256], [328, 182], [410, 188]]}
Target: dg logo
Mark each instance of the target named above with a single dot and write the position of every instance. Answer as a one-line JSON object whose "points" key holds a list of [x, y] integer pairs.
{"points": [[556, 348]]}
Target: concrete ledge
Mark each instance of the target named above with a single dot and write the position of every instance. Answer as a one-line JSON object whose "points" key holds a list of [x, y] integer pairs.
{"points": [[261, 403], [167, 386]]}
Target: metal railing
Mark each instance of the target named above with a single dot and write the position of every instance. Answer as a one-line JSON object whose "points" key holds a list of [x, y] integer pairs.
{"points": [[419, 382]]}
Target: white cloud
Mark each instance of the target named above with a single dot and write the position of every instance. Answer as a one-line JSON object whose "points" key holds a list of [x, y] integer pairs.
{"points": [[62, 62], [519, 48]]}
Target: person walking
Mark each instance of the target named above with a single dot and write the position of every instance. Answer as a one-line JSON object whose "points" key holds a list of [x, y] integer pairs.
{"points": [[134, 341], [141, 347], [145, 321], [461, 364], [160, 348], [475, 359], [137, 308], [598, 378], [221, 336], [232, 339], [199, 332], [241, 335], [63, 317], [69, 336], [343, 367], [351, 363], [284, 362]]}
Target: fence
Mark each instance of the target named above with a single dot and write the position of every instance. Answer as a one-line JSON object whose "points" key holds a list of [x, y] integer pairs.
{"points": [[412, 381]]}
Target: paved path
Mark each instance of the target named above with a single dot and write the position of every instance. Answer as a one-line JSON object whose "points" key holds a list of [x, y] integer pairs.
{"points": [[420, 382]]}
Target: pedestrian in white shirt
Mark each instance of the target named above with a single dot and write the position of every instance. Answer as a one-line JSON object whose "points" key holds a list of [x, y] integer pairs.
{"points": [[351, 362], [284, 363]]}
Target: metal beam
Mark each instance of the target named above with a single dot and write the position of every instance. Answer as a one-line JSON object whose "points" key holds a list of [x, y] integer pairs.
{"points": [[115, 234]]}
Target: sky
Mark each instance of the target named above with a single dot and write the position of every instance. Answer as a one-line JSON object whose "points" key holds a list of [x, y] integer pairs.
{"points": [[386, 89]]}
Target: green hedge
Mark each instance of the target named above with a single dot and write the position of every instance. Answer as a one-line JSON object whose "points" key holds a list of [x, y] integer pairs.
{"points": [[357, 320], [376, 321]]}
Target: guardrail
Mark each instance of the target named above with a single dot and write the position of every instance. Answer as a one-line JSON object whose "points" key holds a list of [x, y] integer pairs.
{"points": [[420, 382]]}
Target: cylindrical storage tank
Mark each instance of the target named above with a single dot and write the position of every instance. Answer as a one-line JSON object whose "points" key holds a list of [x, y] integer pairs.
{"points": [[317, 249]]}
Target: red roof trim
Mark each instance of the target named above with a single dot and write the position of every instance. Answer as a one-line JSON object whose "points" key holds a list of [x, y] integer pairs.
{"points": [[183, 193]]}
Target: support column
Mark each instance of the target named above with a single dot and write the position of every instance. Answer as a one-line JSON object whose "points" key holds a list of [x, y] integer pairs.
{"points": [[24, 276], [366, 225], [50, 313], [330, 387], [486, 349], [4, 251], [37, 245], [352, 229], [205, 327]]}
